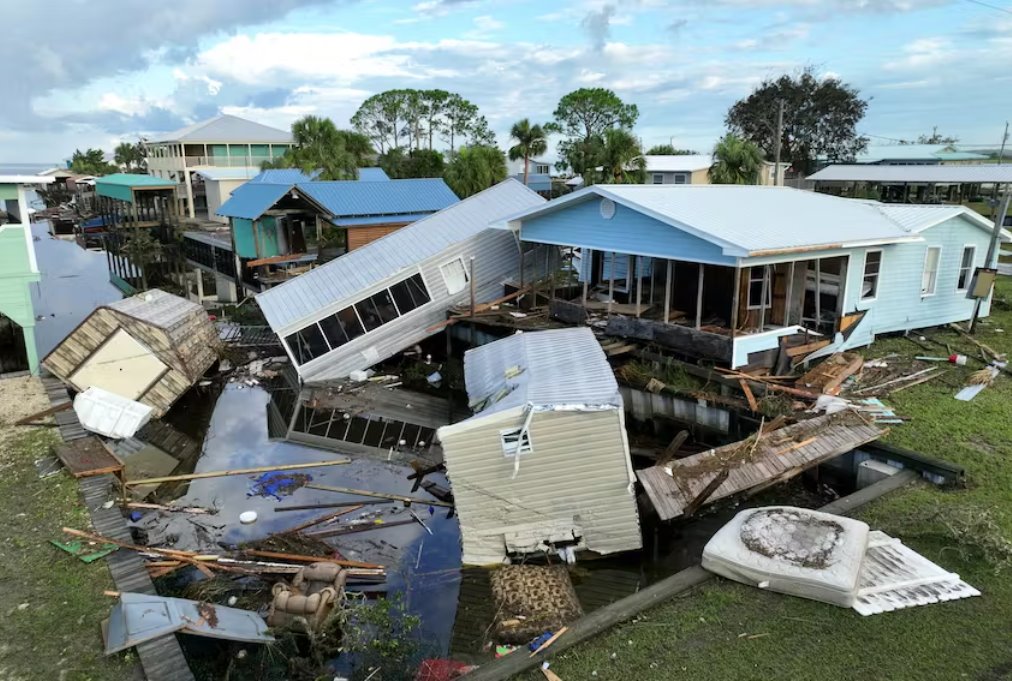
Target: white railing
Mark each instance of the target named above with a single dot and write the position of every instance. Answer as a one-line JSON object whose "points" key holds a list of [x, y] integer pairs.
{"points": [[226, 161]]}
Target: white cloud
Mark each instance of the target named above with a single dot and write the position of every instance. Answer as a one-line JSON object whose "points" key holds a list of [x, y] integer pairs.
{"points": [[129, 106], [923, 52], [488, 24]]}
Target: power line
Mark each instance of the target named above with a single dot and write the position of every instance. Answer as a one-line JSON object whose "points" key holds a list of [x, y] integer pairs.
{"points": [[990, 6]]}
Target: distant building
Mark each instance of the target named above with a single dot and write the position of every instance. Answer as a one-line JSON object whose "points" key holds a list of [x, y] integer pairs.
{"points": [[221, 142], [695, 169], [539, 178], [917, 155], [18, 270]]}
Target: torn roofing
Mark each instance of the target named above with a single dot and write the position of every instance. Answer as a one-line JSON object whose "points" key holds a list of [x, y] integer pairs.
{"points": [[554, 368], [751, 220], [310, 295]]}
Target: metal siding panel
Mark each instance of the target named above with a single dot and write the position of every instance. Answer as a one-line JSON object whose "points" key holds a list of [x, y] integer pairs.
{"points": [[628, 231], [325, 289]]}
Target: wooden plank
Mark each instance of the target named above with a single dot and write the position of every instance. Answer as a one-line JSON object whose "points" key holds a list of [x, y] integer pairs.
{"points": [[237, 471], [381, 495], [752, 404], [42, 414], [300, 558], [806, 349], [86, 457]]}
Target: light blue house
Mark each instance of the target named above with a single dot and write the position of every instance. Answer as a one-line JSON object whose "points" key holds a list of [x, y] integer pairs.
{"points": [[730, 273]]}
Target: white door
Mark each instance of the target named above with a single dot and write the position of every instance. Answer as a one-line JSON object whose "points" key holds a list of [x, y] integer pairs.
{"points": [[123, 366]]}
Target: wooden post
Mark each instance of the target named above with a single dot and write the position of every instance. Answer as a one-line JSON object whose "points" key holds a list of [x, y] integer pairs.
{"points": [[735, 300], [699, 298], [818, 293], [762, 299], [651, 281], [611, 283], [667, 294], [639, 284], [586, 253], [788, 300]]}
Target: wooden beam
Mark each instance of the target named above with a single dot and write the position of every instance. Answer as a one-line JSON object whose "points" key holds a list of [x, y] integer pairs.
{"points": [[299, 558], [275, 259], [735, 300], [42, 414], [237, 471], [699, 298], [639, 284], [706, 493], [321, 519], [752, 404], [672, 449], [381, 495], [667, 294]]}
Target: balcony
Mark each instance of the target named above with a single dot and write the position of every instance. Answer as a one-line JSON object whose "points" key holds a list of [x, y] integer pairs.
{"points": [[225, 162]]}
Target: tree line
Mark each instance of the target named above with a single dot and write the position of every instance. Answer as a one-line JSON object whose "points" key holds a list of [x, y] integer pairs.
{"points": [[403, 130]]}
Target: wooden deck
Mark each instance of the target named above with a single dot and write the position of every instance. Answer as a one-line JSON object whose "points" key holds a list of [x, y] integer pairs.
{"points": [[162, 659], [778, 456]]}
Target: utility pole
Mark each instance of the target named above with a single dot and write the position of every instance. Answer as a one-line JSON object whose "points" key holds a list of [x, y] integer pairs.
{"points": [[1004, 139], [777, 180], [992, 249]]}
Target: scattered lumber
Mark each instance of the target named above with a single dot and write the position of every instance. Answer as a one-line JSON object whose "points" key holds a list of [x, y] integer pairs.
{"points": [[711, 487], [381, 495], [364, 527], [86, 457], [196, 510], [806, 349], [237, 471], [31, 419], [752, 404], [321, 519], [337, 504], [300, 558], [828, 376], [183, 556], [671, 451], [550, 641]]}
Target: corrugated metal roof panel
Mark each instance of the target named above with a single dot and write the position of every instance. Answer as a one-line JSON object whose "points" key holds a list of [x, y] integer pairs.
{"points": [[302, 298], [252, 200], [681, 163], [984, 172], [557, 367], [133, 180], [748, 220], [156, 307], [915, 152], [287, 176], [227, 128], [351, 197], [372, 175], [379, 219]]}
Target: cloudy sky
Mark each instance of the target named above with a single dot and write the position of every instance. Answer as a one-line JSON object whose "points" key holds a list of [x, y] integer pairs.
{"points": [[92, 73]]}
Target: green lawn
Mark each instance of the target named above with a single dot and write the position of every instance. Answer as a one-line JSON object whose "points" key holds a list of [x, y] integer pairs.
{"points": [[56, 635], [724, 631]]}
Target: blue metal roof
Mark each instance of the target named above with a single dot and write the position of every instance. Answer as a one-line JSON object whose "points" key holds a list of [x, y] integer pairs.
{"points": [[379, 219], [372, 175], [396, 197], [287, 176], [252, 199]]}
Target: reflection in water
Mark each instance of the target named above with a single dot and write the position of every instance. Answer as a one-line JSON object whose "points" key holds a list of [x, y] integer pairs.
{"points": [[74, 283], [422, 567]]}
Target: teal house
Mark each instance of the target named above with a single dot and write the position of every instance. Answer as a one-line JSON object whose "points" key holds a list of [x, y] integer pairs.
{"points": [[737, 274], [18, 271]]}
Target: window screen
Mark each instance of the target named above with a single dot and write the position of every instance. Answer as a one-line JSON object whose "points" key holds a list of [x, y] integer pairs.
{"points": [[455, 275], [872, 265], [929, 278], [966, 268]]}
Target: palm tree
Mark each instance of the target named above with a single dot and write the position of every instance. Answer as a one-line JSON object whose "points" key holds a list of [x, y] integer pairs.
{"points": [[622, 157], [475, 169], [531, 141], [735, 161]]}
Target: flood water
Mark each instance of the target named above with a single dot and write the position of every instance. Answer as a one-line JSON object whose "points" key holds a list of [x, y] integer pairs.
{"points": [[74, 283], [421, 567]]}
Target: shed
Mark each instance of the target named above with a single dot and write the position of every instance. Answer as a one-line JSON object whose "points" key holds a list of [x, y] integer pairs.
{"points": [[544, 463], [381, 298], [150, 348]]}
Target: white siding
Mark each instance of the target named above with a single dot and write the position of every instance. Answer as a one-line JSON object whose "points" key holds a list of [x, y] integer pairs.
{"points": [[578, 477]]}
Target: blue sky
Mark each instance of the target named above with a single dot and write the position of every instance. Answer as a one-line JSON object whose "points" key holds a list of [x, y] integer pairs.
{"points": [[95, 73]]}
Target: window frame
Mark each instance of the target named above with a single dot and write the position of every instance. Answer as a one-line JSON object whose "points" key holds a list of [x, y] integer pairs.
{"points": [[655, 177], [769, 288], [463, 268], [522, 446], [969, 269], [682, 178], [878, 275], [924, 270]]}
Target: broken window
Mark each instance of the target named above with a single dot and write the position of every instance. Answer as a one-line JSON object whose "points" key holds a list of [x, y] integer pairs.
{"points": [[929, 278], [384, 304], [872, 265], [455, 275], [350, 322], [334, 331], [966, 268], [513, 443], [307, 344]]}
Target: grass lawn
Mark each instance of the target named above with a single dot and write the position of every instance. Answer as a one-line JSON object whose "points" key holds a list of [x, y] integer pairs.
{"points": [[723, 630], [56, 635]]}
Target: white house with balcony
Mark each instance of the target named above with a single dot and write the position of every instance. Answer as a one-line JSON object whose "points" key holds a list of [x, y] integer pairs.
{"points": [[221, 142]]}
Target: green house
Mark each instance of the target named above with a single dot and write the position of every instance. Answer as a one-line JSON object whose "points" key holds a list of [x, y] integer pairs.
{"points": [[18, 270]]}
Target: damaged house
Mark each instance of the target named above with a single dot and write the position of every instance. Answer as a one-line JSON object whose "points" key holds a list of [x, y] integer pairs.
{"points": [[281, 220], [734, 273], [385, 296], [150, 348], [544, 462]]}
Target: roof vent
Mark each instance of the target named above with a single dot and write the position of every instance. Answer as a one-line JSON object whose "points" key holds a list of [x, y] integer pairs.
{"points": [[607, 209]]}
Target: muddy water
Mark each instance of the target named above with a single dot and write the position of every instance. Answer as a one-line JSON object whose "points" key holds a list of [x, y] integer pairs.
{"points": [[423, 568], [74, 282]]}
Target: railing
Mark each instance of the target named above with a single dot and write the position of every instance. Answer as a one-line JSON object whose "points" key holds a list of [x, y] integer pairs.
{"points": [[226, 161]]}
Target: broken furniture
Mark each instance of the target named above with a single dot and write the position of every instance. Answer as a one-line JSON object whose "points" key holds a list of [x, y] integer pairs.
{"points": [[106, 413], [828, 558], [314, 593], [150, 348], [530, 600], [137, 618]]}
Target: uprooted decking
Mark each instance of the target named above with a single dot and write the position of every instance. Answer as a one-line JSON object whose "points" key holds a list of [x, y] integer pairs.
{"points": [[752, 465]]}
